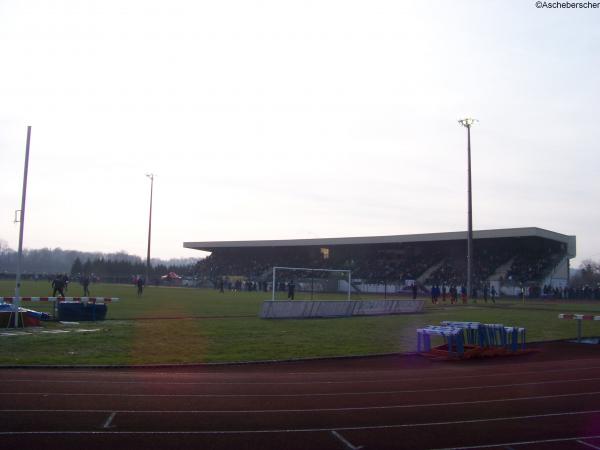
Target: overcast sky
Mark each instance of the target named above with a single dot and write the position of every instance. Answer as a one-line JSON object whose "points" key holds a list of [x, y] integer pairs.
{"points": [[280, 119]]}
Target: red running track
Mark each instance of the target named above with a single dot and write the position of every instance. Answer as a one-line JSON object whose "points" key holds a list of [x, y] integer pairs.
{"points": [[545, 400]]}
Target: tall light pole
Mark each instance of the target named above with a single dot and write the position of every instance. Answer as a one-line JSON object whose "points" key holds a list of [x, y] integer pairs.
{"points": [[21, 228], [467, 123], [151, 176]]}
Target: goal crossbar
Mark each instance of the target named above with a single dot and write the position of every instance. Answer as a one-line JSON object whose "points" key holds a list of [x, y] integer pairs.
{"points": [[349, 272]]}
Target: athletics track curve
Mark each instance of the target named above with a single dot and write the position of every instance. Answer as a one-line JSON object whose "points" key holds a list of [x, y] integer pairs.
{"points": [[545, 400]]}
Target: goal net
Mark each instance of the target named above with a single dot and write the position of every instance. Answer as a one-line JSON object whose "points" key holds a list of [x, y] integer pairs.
{"points": [[303, 283]]}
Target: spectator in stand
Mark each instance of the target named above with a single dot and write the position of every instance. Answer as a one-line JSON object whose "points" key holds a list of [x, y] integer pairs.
{"points": [[444, 292], [463, 294], [453, 294]]}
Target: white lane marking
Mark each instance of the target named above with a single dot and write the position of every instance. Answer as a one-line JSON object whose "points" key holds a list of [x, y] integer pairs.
{"points": [[355, 408], [108, 422], [324, 394], [344, 441], [313, 430], [137, 371], [541, 441], [141, 380], [588, 444]]}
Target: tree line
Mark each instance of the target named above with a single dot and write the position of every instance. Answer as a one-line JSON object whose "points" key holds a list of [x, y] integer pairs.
{"points": [[588, 274], [103, 268], [73, 262]]}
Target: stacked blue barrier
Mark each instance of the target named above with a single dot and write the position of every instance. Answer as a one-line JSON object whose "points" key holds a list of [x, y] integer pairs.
{"points": [[453, 337], [492, 334], [491, 338]]}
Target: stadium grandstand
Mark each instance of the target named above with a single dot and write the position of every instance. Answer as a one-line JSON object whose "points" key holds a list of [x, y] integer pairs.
{"points": [[504, 258]]}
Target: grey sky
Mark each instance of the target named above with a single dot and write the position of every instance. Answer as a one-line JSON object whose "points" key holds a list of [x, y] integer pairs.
{"points": [[270, 119]]}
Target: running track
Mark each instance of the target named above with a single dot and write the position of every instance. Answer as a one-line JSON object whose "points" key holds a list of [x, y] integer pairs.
{"points": [[545, 400]]}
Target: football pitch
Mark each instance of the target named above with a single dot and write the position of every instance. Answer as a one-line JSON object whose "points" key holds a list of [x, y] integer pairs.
{"points": [[170, 325]]}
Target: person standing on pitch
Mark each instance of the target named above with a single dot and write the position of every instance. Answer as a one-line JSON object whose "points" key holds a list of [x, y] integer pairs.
{"points": [[86, 286], [140, 286], [58, 285], [65, 280], [291, 289]]}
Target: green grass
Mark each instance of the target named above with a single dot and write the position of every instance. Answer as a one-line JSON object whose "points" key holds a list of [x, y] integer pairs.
{"points": [[180, 325]]}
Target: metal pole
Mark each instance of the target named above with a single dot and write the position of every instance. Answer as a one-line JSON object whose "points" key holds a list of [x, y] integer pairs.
{"points": [[273, 287], [349, 284], [21, 227], [470, 213], [151, 176]]}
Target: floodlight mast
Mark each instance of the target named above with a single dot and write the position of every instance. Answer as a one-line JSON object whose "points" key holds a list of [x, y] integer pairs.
{"points": [[21, 228], [151, 176], [467, 123]]}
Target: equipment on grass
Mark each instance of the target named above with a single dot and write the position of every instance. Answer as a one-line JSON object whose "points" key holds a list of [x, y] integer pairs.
{"points": [[97, 300], [69, 308], [578, 318]]}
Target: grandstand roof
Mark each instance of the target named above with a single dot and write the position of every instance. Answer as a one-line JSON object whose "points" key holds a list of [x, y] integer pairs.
{"points": [[396, 239]]}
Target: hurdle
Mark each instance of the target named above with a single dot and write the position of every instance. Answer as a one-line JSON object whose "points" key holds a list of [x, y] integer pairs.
{"points": [[466, 340], [453, 337], [492, 334], [475, 332], [578, 318]]}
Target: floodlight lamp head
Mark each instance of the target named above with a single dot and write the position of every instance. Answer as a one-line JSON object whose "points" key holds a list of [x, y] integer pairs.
{"points": [[467, 122]]}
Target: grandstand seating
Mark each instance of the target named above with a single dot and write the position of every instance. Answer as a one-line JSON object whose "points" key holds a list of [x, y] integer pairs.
{"points": [[532, 258]]}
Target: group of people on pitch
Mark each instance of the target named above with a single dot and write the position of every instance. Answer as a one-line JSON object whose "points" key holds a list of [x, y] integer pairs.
{"points": [[452, 292], [60, 284]]}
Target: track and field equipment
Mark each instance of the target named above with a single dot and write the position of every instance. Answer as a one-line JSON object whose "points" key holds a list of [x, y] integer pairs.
{"points": [[578, 318], [98, 300]]}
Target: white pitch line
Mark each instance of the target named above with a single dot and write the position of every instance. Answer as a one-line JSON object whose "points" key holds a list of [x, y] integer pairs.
{"points": [[313, 430], [251, 383], [541, 441], [356, 408], [108, 422], [346, 442], [323, 394], [587, 444]]}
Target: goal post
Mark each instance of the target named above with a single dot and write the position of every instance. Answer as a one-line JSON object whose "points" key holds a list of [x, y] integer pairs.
{"points": [[312, 270]]}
